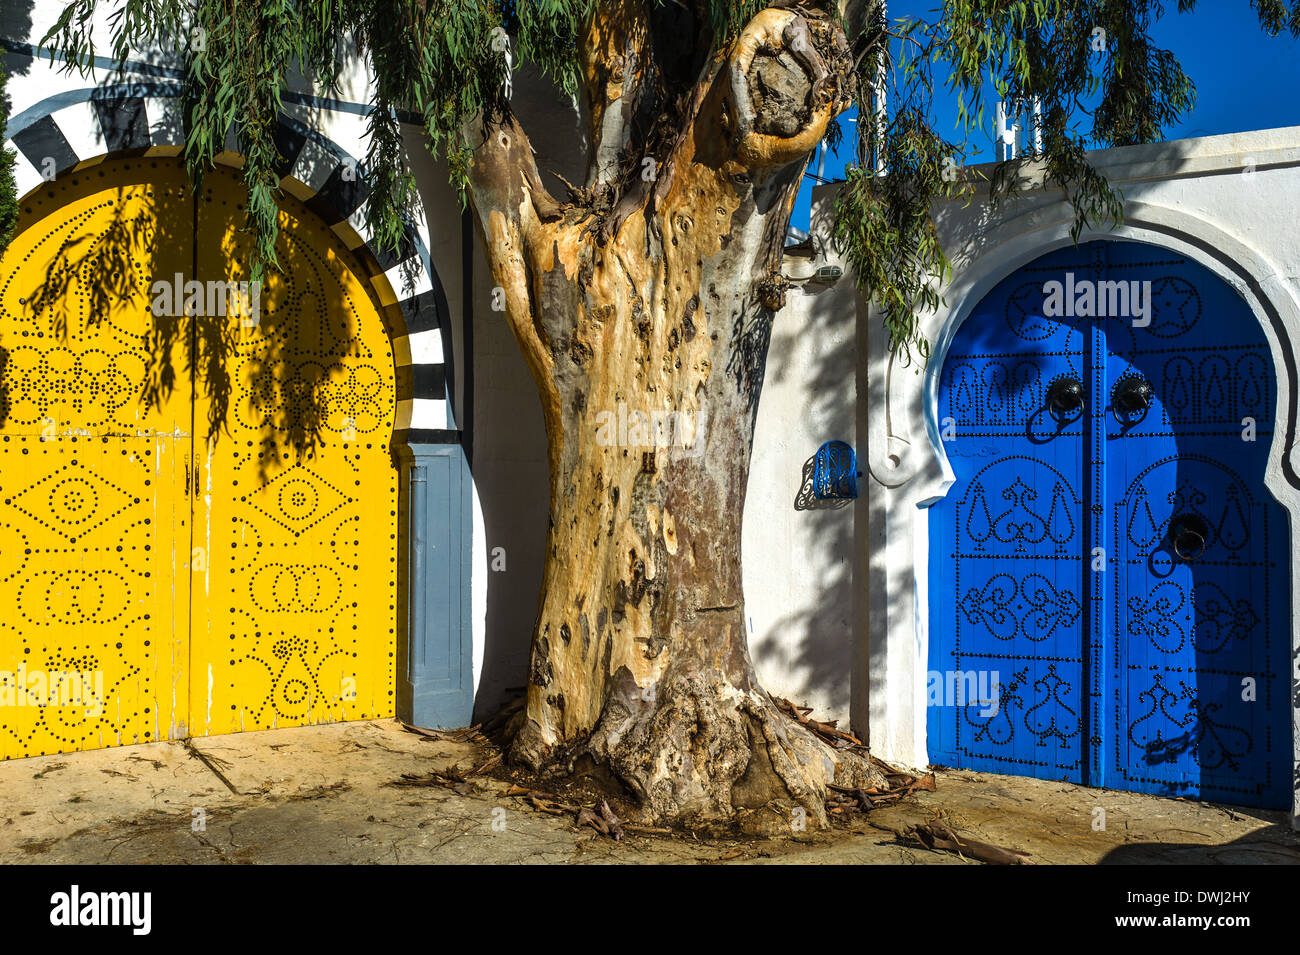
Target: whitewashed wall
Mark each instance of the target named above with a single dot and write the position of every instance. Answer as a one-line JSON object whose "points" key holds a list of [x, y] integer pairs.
{"points": [[800, 571]]}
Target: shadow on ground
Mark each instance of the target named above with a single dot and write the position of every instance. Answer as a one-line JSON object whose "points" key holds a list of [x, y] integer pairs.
{"points": [[326, 794]]}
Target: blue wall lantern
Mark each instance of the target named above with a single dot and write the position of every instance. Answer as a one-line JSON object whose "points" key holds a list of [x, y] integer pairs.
{"points": [[835, 472]]}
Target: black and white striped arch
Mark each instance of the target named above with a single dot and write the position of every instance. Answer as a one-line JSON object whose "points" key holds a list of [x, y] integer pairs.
{"points": [[66, 130]]}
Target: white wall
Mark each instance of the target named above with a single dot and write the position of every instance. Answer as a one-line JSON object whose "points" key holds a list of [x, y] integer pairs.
{"points": [[798, 554]]}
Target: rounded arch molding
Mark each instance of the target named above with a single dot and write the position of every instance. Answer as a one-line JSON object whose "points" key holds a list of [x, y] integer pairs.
{"points": [[909, 469], [73, 130], [906, 449]]}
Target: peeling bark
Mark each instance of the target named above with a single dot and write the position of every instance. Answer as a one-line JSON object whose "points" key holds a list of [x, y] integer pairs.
{"points": [[656, 296]]}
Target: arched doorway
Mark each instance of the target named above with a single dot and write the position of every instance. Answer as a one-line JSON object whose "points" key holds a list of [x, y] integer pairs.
{"points": [[1118, 612], [198, 499]]}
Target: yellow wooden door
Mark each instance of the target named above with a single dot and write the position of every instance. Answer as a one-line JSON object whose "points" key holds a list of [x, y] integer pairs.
{"points": [[94, 449], [154, 585], [293, 621]]}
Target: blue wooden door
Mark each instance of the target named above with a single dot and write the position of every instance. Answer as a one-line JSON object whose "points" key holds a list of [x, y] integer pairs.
{"points": [[1108, 575]]}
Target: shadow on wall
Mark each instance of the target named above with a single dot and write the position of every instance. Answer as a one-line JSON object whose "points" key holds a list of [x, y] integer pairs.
{"points": [[971, 229], [16, 25], [511, 475], [807, 500], [807, 651]]}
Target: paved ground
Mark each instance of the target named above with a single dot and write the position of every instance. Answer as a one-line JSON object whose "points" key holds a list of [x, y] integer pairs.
{"points": [[325, 794]]}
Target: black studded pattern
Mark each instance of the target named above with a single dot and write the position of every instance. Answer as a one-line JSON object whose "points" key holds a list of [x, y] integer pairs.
{"points": [[188, 579]]}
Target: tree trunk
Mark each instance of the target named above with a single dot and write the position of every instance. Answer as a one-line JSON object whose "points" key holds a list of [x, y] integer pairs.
{"points": [[645, 319]]}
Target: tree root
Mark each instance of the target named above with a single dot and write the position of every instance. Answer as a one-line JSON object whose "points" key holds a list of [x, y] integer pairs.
{"points": [[700, 751]]}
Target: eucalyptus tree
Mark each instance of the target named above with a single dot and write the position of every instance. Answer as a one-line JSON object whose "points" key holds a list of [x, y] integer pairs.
{"points": [[655, 281]]}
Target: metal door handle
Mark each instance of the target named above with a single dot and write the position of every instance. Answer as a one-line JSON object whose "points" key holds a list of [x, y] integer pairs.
{"points": [[1189, 534], [1131, 396], [1065, 397]]}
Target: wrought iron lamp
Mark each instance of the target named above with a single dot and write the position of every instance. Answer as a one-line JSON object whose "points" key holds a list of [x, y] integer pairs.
{"points": [[835, 472]]}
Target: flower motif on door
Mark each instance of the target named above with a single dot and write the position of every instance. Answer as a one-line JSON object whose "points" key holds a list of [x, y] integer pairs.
{"points": [[1157, 617], [1148, 526], [1219, 619], [996, 727], [1017, 517], [355, 399], [295, 665], [93, 386], [1051, 717], [341, 398], [1033, 608], [1173, 724]]}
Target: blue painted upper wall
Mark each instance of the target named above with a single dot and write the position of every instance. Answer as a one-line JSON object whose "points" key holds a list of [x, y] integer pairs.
{"points": [[1244, 80]]}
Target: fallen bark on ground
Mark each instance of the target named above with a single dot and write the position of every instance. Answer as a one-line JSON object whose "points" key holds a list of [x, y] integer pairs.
{"points": [[940, 837]]}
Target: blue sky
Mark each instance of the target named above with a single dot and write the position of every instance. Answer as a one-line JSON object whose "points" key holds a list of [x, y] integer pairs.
{"points": [[1244, 80]]}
